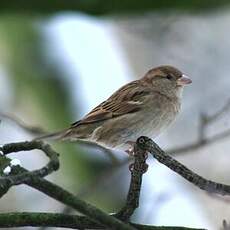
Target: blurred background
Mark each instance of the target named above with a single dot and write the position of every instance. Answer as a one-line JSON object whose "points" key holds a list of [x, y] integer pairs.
{"points": [[60, 59]]}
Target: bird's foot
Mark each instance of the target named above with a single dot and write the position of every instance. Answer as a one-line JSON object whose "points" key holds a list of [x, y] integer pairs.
{"points": [[130, 151], [144, 168], [131, 167]]}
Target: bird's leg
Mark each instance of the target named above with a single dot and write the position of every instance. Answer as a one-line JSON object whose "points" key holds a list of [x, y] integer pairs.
{"points": [[144, 166], [131, 167], [130, 151]]}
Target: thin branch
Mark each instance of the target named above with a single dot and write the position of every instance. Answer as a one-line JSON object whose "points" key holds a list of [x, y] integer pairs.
{"points": [[213, 118], [149, 145], [138, 168], [34, 130], [38, 131], [97, 182], [33, 219], [99, 217], [73, 201], [55, 191], [8, 181], [202, 126], [199, 144], [205, 121], [225, 226]]}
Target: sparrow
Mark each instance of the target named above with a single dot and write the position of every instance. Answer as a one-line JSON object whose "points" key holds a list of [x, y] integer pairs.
{"points": [[143, 107]]}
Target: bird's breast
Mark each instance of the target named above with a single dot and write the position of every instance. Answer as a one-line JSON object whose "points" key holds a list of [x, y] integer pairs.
{"points": [[159, 116]]}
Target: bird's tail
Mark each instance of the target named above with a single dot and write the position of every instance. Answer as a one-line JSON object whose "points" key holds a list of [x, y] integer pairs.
{"points": [[52, 136]]}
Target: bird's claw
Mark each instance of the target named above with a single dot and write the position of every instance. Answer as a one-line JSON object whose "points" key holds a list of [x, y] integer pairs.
{"points": [[144, 168], [130, 151], [131, 167]]}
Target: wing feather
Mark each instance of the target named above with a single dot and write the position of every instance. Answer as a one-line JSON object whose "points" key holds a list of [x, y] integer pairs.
{"points": [[127, 99]]}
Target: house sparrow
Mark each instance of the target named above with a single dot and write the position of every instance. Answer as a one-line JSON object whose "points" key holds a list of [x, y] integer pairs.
{"points": [[142, 107]]}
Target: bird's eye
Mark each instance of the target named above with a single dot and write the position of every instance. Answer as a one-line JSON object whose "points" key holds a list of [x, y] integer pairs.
{"points": [[169, 77]]}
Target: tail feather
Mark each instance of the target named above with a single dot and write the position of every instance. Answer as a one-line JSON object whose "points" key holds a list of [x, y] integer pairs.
{"points": [[52, 136]]}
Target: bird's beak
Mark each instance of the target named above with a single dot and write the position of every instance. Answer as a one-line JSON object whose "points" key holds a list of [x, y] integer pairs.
{"points": [[184, 80]]}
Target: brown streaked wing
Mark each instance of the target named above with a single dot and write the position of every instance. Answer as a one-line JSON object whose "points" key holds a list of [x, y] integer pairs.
{"points": [[118, 104]]}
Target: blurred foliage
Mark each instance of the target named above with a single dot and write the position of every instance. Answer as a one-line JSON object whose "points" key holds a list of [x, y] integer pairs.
{"points": [[108, 7], [40, 96]]}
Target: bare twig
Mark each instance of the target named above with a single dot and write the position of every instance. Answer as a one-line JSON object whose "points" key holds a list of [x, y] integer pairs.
{"points": [[213, 118], [93, 185], [8, 181], [32, 179], [34, 130], [38, 131], [98, 217], [149, 145], [225, 226], [138, 168], [202, 126], [205, 121], [73, 201], [199, 144]]}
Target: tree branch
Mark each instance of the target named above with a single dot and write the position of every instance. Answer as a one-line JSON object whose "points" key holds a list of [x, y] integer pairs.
{"points": [[33, 219], [138, 168], [8, 181], [149, 145], [83, 207], [53, 190], [199, 144], [205, 121], [96, 218], [34, 130]]}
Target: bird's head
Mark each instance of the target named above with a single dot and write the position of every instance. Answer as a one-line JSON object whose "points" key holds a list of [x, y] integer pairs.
{"points": [[167, 80]]}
